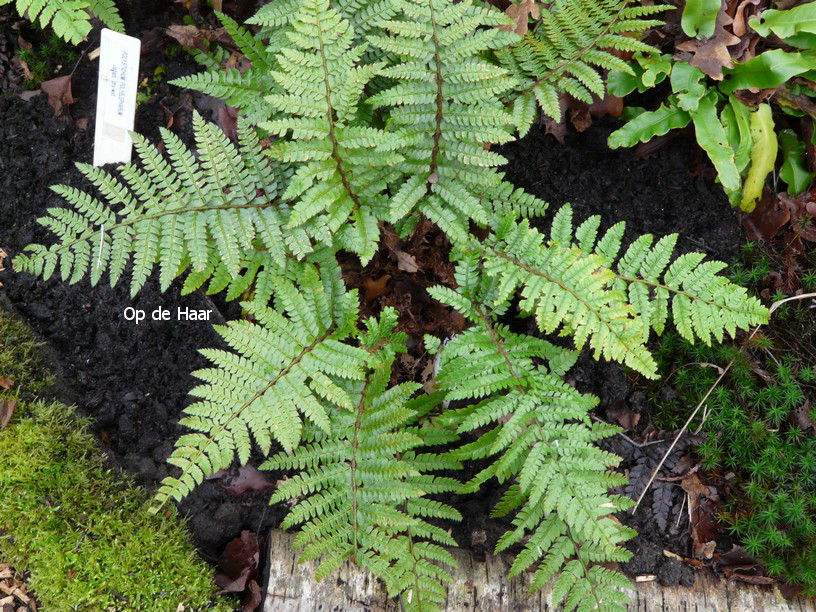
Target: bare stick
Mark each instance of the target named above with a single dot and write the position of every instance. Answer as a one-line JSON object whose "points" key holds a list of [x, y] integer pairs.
{"points": [[681, 432]]}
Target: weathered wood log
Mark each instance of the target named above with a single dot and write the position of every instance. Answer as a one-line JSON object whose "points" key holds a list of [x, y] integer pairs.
{"points": [[483, 586]]}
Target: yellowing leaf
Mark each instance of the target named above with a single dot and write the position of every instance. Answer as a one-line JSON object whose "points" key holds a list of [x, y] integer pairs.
{"points": [[763, 156]]}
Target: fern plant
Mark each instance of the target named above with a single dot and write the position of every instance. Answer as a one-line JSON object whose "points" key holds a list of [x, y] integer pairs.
{"points": [[70, 19], [382, 112], [741, 139], [569, 43]]}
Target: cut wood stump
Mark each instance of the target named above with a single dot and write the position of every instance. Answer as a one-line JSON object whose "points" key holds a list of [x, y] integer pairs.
{"points": [[483, 586]]}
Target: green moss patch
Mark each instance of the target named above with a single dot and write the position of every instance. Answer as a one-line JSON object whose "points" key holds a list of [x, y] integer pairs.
{"points": [[80, 530]]}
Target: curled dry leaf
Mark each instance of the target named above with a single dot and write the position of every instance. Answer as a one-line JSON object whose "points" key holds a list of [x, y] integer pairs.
{"points": [[5, 383], [7, 408], [737, 564], [702, 510], [520, 14], [189, 37], [238, 563], [375, 288], [623, 416], [58, 92], [741, 15]]}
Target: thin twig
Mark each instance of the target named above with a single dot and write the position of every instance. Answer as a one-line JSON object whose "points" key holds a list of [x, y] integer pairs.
{"points": [[681, 432], [680, 514], [771, 310], [627, 438]]}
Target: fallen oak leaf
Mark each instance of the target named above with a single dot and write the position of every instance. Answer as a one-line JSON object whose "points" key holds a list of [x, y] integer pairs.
{"points": [[59, 94], [711, 55], [406, 262]]}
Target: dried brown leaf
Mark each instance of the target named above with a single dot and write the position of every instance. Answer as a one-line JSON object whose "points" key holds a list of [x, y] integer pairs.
{"points": [[623, 416], [7, 407], [406, 262], [802, 416], [520, 14], [238, 563], [372, 289], [252, 597], [711, 55], [740, 25], [249, 479], [58, 91], [702, 509], [765, 221], [189, 37]]}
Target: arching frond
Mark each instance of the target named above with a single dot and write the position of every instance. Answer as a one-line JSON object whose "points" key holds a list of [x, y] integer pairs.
{"points": [[362, 492], [564, 52], [176, 214]]}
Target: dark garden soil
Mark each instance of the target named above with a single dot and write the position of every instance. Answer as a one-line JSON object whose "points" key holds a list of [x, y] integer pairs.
{"points": [[133, 380]]}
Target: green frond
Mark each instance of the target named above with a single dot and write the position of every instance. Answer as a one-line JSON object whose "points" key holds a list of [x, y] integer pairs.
{"points": [[245, 89], [340, 167], [107, 13], [442, 101], [361, 491], [542, 440], [293, 361], [571, 283], [571, 42], [178, 214], [70, 19]]}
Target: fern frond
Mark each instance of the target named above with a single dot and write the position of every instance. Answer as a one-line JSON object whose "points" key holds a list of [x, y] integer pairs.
{"points": [[292, 362], [542, 440], [572, 40], [183, 213], [443, 102], [243, 90], [340, 165], [704, 304], [570, 283], [362, 491], [70, 19], [107, 13]]}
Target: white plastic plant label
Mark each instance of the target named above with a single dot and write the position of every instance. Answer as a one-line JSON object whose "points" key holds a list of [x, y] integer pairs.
{"points": [[116, 97]]}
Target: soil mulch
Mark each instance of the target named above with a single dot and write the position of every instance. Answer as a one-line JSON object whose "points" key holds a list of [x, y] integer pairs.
{"points": [[133, 380], [14, 597]]}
